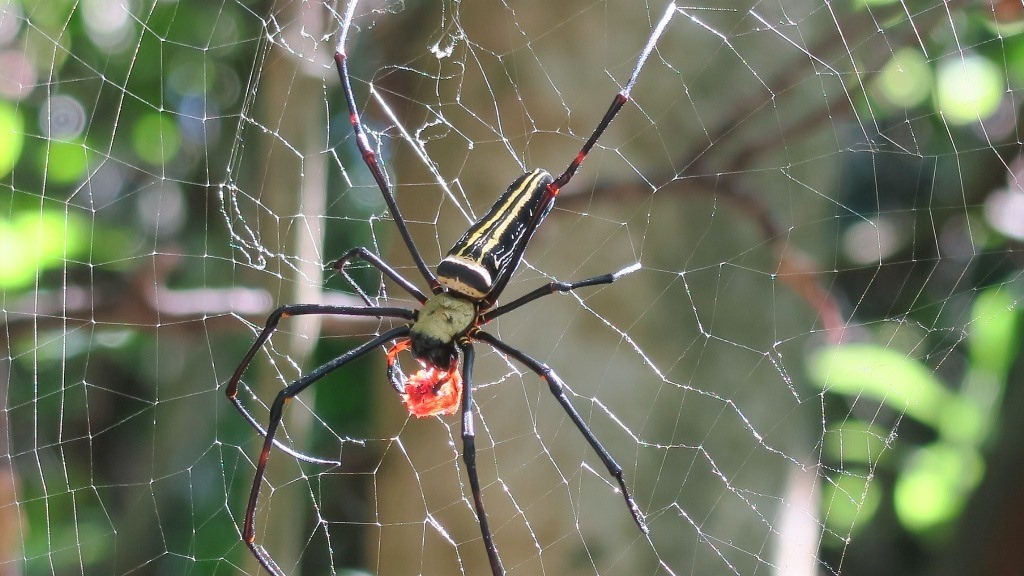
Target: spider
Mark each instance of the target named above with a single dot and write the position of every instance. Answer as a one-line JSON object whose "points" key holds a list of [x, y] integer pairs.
{"points": [[464, 291]]}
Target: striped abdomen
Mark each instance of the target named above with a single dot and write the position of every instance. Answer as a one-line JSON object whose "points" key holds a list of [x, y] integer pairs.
{"points": [[480, 263]]}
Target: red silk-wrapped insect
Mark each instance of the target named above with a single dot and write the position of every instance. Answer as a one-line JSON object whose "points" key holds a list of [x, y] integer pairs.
{"points": [[433, 392]]}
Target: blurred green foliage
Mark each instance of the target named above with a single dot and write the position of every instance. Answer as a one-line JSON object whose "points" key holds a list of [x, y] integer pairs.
{"points": [[934, 481]]}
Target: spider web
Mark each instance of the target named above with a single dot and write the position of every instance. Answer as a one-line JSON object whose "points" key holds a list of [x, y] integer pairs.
{"points": [[805, 375]]}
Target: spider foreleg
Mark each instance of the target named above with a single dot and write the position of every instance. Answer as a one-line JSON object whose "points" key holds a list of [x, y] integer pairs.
{"points": [[375, 261], [370, 158]]}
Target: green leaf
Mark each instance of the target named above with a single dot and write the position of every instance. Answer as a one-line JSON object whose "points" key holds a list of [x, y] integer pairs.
{"points": [[881, 374], [65, 162], [993, 338], [932, 489], [968, 89], [850, 502], [33, 242], [12, 137], [156, 138]]}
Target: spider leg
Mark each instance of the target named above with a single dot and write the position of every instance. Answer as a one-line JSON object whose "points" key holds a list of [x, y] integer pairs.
{"points": [[551, 288], [557, 389], [376, 262], [276, 413], [620, 99], [469, 455], [369, 158], [272, 321]]}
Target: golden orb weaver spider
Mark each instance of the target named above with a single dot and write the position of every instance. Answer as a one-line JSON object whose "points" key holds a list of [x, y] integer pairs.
{"points": [[464, 291]]}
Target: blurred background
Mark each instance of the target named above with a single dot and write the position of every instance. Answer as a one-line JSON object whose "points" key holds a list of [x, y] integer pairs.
{"points": [[813, 371]]}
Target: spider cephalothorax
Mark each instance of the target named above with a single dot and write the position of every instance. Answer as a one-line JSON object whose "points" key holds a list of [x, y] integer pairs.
{"points": [[468, 283], [443, 318]]}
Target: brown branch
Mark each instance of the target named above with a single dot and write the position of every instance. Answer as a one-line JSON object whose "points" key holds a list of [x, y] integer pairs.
{"points": [[144, 301]]}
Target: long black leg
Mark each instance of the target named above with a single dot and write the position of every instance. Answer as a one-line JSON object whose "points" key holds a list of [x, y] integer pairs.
{"points": [[551, 288], [469, 455], [617, 103], [379, 264], [276, 412], [369, 158], [557, 389], [272, 321], [620, 99]]}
